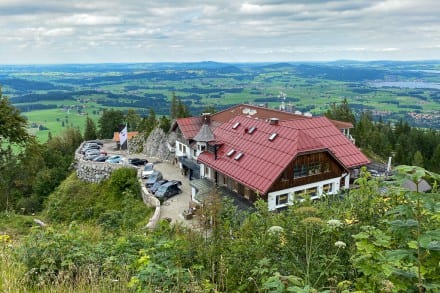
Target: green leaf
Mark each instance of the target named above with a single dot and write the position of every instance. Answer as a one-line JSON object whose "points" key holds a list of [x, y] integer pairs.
{"points": [[434, 245]]}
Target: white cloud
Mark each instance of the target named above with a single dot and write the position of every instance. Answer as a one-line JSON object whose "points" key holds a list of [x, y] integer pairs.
{"points": [[234, 30]]}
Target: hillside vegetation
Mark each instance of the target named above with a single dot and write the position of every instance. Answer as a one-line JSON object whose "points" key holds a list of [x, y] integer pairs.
{"points": [[371, 240]]}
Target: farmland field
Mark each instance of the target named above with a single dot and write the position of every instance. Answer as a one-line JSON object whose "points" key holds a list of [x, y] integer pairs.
{"points": [[53, 97]]}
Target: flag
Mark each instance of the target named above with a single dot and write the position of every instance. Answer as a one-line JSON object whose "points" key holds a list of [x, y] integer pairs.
{"points": [[123, 136]]}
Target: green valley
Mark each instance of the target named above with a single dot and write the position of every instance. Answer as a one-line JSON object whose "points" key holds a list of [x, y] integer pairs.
{"points": [[57, 96]]}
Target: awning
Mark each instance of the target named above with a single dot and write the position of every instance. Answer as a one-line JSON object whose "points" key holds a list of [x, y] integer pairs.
{"points": [[190, 164]]}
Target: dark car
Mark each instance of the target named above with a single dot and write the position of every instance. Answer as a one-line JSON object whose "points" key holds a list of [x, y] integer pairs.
{"points": [[137, 161], [167, 190], [155, 176], [156, 185]]}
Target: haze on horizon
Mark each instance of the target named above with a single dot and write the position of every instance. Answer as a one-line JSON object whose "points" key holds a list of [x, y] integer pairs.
{"points": [[101, 31]]}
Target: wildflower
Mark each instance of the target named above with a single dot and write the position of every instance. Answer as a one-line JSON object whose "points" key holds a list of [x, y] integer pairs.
{"points": [[351, 221], [307, 210], [388, 286], [5, 238], [275, 230], [340, 244], [334, 223], [312, 221]]}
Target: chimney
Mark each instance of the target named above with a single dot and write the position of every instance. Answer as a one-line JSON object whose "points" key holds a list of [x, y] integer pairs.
{"points": [[206, 118], [274, 121]]}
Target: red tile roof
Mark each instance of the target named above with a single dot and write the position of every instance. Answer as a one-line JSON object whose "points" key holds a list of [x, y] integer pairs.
{"points": [[190, 126], [323, 130], [254, 112], [263, 160]]}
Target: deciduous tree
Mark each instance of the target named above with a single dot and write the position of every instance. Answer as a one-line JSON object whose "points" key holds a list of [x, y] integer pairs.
{"points": [[109, 122]]}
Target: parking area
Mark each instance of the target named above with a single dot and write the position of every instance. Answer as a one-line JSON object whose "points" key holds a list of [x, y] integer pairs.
{"points": [[173, 208]]}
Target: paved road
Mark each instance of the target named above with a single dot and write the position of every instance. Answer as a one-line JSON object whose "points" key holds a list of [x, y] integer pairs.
{"points": [[173, 207]]}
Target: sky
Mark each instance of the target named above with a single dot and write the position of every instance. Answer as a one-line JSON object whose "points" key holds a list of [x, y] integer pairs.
{"points": [[102, 31]]}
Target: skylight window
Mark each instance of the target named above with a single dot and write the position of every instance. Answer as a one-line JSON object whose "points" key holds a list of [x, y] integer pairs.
{"points": [[230, 153], [272, 136], [236, 125], [252, 129], [238, 156]]}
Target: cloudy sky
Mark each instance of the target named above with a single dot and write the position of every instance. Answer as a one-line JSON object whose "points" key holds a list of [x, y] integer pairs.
{"points": [[94, 31]]}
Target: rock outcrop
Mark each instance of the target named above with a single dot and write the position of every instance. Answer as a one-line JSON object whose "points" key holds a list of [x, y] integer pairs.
{"points": [[160, 145]]}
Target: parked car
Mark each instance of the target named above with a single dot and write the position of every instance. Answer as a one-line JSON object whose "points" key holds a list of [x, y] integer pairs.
{"points": [[85, 148], [155, 176], [92, 152], [148, 170], [167, 190], [101, 158], [116, 159], [90, 157], [137, 161], [156, 185], [95, 142]]}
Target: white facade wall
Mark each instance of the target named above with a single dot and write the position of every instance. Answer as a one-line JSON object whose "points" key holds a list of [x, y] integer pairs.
{"points": [[290, 192]]}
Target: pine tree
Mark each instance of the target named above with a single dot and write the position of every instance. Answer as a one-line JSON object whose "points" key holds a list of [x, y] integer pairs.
{"points": [[164, 123], [133, 120], [418, 159], [174, 106], [90, 129], [341, 112], [435, 160], [182, 110]]}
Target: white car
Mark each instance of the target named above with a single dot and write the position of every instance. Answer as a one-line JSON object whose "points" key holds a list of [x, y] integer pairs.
{"points": [[148, 170]]}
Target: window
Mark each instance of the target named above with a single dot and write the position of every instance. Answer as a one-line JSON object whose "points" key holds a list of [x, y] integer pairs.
{"points": [[282, 199], [180, 147], [202, 148], [236, 125], [327, 188], [194, 153], [314, 168], [230, 153], [326, 167], [299, 171], [184, 149]]}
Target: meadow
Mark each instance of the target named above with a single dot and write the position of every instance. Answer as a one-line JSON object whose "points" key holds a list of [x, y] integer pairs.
{"points": [[51, 96]]}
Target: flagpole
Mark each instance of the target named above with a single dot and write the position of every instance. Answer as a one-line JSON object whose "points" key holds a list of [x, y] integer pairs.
{"points": [[128, 149]]}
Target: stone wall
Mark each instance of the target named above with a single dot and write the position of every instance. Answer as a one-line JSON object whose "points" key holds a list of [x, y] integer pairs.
{"points": [[96, 171], [150, 200]]}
